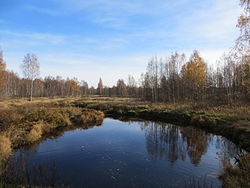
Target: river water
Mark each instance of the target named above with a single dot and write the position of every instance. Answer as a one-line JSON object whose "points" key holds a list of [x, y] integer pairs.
{"points": [[126, 154]]}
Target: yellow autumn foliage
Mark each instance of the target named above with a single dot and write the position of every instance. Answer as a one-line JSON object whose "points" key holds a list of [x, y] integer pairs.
{"points": [[194, 71]]}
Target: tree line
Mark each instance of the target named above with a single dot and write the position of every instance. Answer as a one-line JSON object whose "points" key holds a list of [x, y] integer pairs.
{"points": [[12, 85], [173, 79], [177, 80]]}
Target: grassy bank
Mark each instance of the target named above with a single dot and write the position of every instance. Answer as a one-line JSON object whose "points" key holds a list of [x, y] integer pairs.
{"points": [[27, 124], [233, 123], [24, 122]]}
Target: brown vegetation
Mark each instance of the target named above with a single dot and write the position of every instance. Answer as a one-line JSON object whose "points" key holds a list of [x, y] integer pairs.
{"points": [[233, 123], [5, 148], [26, 124], [237, 176], [29, 122]]}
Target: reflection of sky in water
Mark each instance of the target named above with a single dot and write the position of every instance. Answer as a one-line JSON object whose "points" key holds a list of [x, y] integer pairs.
{"points": [[134, 154]]}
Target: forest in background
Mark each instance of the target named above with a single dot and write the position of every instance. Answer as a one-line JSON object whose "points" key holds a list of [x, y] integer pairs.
{"points": [[173, 79]]}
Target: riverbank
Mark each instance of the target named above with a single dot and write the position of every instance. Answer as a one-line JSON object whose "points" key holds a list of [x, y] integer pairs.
{"points": [[29, 123], [230, 122], [24, 122]]}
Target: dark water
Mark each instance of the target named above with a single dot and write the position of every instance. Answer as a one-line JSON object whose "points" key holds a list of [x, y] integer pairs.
{"points": [[128, 154]]}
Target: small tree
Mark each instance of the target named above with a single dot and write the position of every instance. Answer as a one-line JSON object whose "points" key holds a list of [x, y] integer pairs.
{"points": [[30, 69]]}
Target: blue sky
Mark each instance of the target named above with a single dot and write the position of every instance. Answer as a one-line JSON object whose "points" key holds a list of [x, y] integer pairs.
{"points": [[89, 39]]}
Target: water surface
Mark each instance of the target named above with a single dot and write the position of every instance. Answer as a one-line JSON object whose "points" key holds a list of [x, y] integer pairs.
{"points": [[128, 154]]}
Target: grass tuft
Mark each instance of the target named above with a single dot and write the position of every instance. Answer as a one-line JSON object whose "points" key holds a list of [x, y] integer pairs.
{"points": [[5, 148]]}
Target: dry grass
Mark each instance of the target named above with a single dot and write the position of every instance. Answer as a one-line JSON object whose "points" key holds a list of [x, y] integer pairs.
{"points": [[36, 132], [13, 102], [202, 113], [232, 122], [237, 109], [5, 148], [23, 122], [237, 176], [29, 123]]}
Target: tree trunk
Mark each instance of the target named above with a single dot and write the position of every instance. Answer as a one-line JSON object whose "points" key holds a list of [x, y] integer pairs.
{"points": [[31, 90]]}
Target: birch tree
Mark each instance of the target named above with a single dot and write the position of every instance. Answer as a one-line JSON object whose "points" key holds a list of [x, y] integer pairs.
{"points": [[194, 75], [30, 68]]}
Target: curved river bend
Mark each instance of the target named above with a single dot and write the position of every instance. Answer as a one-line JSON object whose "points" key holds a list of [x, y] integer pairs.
{"points": [[127, 154]]}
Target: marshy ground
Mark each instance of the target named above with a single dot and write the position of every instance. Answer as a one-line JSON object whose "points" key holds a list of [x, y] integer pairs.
{"points": [[23, 122]]}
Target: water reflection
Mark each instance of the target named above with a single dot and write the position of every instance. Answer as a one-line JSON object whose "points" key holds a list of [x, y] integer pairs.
{"points": [[57, 133], [177, 143], [21, 172], [163, 142], [140, 153]]}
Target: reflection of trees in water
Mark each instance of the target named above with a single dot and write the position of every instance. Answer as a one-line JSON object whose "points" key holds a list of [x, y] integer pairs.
{"points": [[229, 152], [163, 141], [20, 172], [197, 142], [227, 148], [57, 133], [173, 142]]}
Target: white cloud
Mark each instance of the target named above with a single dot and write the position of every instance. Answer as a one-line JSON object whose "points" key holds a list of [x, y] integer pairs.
{"points": [[35, 38], [219, 22], [48, 11], [111, 21], [212, 56], [130, 33]]}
